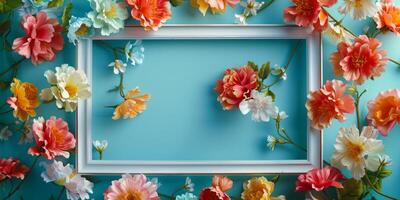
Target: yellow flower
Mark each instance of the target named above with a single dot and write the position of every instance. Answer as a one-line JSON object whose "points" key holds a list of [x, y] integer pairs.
{"points": [[131, 106], [259, 188], [24, 100]]}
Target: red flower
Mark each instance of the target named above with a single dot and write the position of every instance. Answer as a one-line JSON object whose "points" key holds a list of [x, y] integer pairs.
{"points": [[319, 179], [360, 60], [11, 167], [220, 185], [150, 13], [43, 38], [236, 85]]}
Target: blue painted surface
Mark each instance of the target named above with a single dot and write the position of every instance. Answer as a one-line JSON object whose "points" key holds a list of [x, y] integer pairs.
{"points": [[35, 188]]}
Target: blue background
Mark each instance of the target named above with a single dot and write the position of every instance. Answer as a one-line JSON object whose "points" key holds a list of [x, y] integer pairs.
{"points": [[35, 188]]}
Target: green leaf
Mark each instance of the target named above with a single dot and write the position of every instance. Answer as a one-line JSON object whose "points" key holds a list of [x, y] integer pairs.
{"points": [[176, 3], [9, 5], [352, 190], [55, 3], [264, 71], [66, 16], [253, 65], [3, 85], [272, 94], [385, 173], [5, 26], [115, 89]]}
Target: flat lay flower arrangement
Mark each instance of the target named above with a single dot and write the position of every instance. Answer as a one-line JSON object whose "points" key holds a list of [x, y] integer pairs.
{"points": [[358, 165]]}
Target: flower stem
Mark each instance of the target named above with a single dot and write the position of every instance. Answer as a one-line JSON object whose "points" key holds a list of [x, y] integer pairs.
{"points": [[12, 67], [357, 105], [101, 155], [60, 194], [167, 196], [121, 85], [368, 182]]}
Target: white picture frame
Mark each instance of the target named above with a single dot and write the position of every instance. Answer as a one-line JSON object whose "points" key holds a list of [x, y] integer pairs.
{"points": [[86, 165]]}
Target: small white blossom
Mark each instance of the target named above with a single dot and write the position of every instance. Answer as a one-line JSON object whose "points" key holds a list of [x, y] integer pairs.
{"points": [[100, 146], [261, 106], [251, 7], [240, 19], [134, 52], [279, 114], [189, 186], [279, 71], [359, 9], [118, 66], [271, 142]]}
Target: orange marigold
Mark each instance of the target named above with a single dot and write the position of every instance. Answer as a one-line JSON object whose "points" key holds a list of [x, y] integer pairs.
{"points": [[132, 105], [24, 100]]}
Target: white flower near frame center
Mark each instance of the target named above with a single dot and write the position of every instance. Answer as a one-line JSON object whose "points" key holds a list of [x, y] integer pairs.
{"points": [[261, 106]]}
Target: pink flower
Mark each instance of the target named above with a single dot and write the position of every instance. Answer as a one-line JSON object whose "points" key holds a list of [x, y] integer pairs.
{"points": [[329, 103], [387, 17], [359, 61], [12, 167], [220, 185], [43, 38], [52, 138], [235, 86], [319, 179], [132, 187], [384, 110], [309, 13]]}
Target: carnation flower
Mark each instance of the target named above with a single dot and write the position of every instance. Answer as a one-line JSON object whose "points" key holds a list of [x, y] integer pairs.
{"points": [[43, 38], [319, 179], [52, 138], [356, 151], [132, 105], [118, 66], [329, 103], [261, 106], [358, 9], [359, 61], [107, 15], [259, 188], [216, 6], [132, 187], [24, 100], [68, 85], [134, 52], [151, 13], [387, 17], [220, 184], [384, 110], [235, 86], [12, 168], [79, 28]]}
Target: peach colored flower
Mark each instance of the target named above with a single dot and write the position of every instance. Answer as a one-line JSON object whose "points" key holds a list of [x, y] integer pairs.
{"points": [[220, 185], [359, 61], [216, 6], [12, 167], [384, 110], [150, 13], [24, 100], [132, 105], [43, 38], [235, 86], [328, 103], [135, 187], [309, 13], [388, 16], [52, 138]]}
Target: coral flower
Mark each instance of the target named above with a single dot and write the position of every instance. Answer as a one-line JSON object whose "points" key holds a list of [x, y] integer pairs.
{"points": [[309, 13], [12, 167], [216, 6], [132, 105], [220, 184], [24, 100], [360, 60], [329, 103], [235, 86], [259, 188], [132, 187], [150, 13], [43, 38], [52, 138], [388, 16], [319, 179], [384, 110]]}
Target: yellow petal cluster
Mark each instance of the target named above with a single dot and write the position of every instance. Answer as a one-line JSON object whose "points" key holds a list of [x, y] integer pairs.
{"points": [[24, 100]]}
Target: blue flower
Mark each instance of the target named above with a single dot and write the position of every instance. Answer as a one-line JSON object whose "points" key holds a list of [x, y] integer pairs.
{"points": [[186, 196], [134, 52], [31, 7], [79, 28], [107, 15]]}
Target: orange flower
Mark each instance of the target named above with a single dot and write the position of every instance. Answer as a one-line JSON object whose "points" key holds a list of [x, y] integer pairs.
{"points": [[150, 13], [388, 16], [329, 103], [24, 100], [384, 110], [132, 105], [216, 6]]}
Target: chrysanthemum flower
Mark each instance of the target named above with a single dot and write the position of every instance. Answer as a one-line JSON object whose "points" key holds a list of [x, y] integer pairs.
{"points": [[132, 105], [12, 167], [259, 188], [150, 13], [132, 187], [388, 16], [319, 179], [216, 6], [24, 100]]}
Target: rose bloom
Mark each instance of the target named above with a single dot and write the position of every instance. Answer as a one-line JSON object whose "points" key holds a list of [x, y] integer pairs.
{"points": [[388, 16], [24, 100], [359, 61], [235, 86], [384, 110], [220, 185], [132, 105], [52, 138], [329, 103], [43, 38], [259, 188], [150, 13], [12, 167], [216, 6], [132, 187], [309, 13], [319, 179]]}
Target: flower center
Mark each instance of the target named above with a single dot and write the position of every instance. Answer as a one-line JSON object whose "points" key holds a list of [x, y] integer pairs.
{"points": [[358, 3], [72, 89], [354, 150], [82, 30], [112, 11], [250, 5], [131, 195], [358, 61], [396, 16], [304, 5]]}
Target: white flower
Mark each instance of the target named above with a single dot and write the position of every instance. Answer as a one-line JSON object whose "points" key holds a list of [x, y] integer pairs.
{"points": [[5, 134], [240, 19], [100, 146], [56, 172], [359, 9], [337, 33], [251, 7], [119, 66], [68, 85], [261, 106], [279, 114], [271, 142], [357, 152], [134, 52], [78, 188], [279, 71], [189, 186]]}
